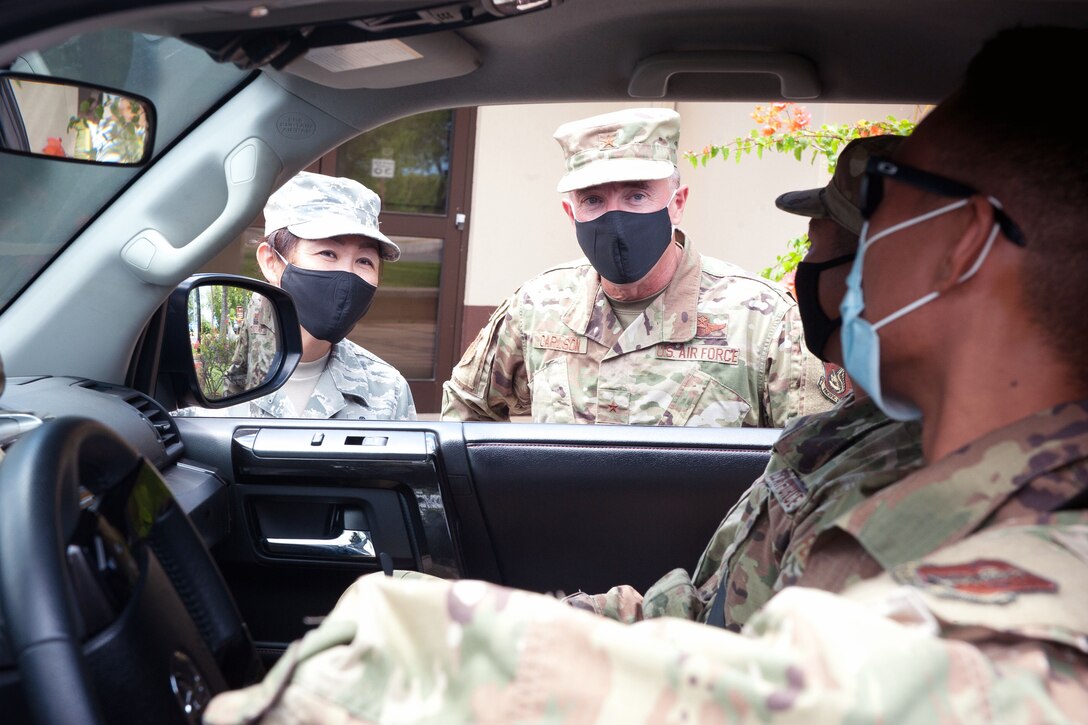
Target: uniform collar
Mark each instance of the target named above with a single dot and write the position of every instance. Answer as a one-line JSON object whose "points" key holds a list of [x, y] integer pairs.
{"points": [[591, 314], [810, 442], [897, 524]]}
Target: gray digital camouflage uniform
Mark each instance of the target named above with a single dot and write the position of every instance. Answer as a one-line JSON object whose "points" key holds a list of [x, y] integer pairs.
{"points": [[719, 347], [973, 571], [821, 463], [356, 384]]}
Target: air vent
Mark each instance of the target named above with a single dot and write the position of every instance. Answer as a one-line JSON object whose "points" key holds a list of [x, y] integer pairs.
{"points": [[155, 414]]}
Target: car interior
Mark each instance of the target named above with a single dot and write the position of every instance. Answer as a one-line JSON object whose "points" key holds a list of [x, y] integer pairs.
{"points": [[149, 560]]}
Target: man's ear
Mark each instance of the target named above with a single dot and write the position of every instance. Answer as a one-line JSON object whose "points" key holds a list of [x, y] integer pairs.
{"points": [[568, 209], [963, 257], [679, 203], [270, 263]]}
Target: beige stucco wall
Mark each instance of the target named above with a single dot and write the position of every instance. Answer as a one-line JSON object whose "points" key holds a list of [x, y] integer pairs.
{"points": [[518, 228]]}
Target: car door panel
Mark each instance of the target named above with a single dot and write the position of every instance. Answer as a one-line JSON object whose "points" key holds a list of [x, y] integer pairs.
{"points": [[544, 507]]}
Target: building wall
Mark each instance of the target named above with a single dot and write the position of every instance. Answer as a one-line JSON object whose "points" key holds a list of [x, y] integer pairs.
{"points": [[518, 228]]}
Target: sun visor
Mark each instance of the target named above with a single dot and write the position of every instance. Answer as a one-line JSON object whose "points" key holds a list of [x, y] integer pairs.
{"points": [[389, 63]]}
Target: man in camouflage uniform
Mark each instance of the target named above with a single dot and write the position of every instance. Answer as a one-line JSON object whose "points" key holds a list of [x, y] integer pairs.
{"points": [[322, 237], [954, 594], [821, 464], [255, 350], [646, 331]]}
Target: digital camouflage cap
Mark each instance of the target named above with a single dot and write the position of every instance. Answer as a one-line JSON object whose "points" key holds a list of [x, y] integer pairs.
{"points": [[315, 206], [635, 144], [838, 200]]}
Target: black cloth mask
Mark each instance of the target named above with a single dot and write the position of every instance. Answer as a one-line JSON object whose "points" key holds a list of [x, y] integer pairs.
{"points": [[624, 246], [817, 325], [328, 303]]}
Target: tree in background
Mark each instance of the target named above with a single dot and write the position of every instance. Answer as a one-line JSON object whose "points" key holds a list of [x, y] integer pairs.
{"points": [[786, 128]]}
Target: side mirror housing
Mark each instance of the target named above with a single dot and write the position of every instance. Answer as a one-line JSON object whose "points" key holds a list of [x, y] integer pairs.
{"points": [[228, 339]]}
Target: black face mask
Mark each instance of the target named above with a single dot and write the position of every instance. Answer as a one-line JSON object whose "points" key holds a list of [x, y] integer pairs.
{"points": [[328, 303], [817, 325], [624, 246]]}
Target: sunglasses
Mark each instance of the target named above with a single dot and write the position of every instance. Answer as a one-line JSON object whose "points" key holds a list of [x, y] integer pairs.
{"points": [[879, 168]]}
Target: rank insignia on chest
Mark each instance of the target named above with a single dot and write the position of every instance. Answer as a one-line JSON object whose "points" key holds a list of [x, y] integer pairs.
{"points": [[986, 581], [699, 353], [562, 343], [787, 488]]}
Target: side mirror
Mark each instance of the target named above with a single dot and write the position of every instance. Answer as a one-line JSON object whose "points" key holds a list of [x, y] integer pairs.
{"points": [[228, 339], [43, 116]]}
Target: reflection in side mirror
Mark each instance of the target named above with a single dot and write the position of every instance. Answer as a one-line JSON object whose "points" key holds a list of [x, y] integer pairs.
{"points": [[234, 338], [42, 116]]}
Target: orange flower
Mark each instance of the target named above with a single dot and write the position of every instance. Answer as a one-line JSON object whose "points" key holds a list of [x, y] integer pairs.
{"points": [[768, 130], [53, 147]]}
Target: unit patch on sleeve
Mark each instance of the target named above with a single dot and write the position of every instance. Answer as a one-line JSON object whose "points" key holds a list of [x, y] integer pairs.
{"points": [[985, 581], [835, 383], [788, 488]]}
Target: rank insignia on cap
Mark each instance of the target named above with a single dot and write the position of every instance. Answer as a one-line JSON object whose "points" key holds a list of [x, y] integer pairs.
{"points": [[606, 140], [987, 581]]}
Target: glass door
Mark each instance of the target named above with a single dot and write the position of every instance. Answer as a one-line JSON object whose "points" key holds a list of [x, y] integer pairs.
{"points": [[421, 167]]}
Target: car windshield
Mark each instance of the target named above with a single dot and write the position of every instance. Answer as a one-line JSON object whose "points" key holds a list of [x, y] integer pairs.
{"points": [[54, 201]]}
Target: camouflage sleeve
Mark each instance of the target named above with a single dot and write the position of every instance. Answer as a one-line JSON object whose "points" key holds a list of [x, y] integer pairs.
{"points": [[428, 650], [793, 376], [406, 405], [622, 603], [490, 382]]}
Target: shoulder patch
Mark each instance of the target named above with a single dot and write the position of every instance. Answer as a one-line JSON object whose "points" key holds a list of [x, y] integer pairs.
{"points": [[985, 581], [788, 488], [835, 384]]}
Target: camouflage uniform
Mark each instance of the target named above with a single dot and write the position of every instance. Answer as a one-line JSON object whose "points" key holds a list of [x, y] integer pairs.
{"points": [[821, 464], [719, 347], [356, 384], [255, 351], [974, 570]]}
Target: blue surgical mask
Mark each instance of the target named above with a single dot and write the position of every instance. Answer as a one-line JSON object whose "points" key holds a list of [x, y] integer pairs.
{"points": [[860, 338]]}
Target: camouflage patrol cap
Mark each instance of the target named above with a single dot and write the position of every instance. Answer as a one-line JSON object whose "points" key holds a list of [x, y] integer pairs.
{"points": [[635, 144], [315, 206], [839, 199]]}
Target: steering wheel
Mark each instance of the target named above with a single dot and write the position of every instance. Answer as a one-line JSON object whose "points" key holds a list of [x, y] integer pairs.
{"points": [[112, 605]]}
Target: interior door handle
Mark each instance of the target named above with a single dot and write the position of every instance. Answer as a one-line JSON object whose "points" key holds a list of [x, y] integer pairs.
{"points": [[348, 545]]}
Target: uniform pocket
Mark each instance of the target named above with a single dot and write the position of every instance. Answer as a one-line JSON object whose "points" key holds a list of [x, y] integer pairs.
{"points": [[701, 401], [552, 395]]}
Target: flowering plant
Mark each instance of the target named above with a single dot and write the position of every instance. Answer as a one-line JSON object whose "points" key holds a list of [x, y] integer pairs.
{"points": [[786, 128]]}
